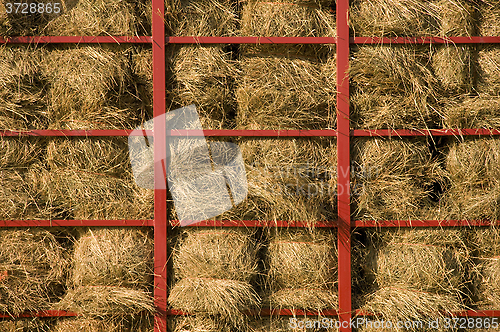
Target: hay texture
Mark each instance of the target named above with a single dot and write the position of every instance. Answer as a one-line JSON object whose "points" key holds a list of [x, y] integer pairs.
{"points": [[22, 24], [472, 168], [25, 325], [213, 271], [418, 273], [392, 179], [198, 324], [142, 71], [286, 92], [33, 270], [453, 67], [489, 71], [393, 88], [472, 112], [22, 88], [88, 88], [290, 324], [111, 273], [204, 76], [412, 18], [288, 179], [302, 269], [94, 18], [489, 15], [120, 324], [202, 17]]}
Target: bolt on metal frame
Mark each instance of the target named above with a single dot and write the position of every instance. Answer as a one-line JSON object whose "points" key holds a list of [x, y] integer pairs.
{"points": [[344, 224]]}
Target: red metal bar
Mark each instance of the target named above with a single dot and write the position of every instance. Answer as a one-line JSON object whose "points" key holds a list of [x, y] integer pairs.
{"points": [[76, 133], [425, 40], [425, 132], [76, 223], [160, 150], [343, 166], [465, 313], [77, 40], [255, 133], [271, 312], [249, 40], [422, 223], [255, 223]]}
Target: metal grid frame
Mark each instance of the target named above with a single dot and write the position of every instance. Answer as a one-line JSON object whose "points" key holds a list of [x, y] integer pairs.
{"points": [[344, 224]]}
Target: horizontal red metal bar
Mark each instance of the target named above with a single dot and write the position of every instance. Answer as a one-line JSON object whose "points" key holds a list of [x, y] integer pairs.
{"points": [[249, 40], [424, 40], [465, 313], [255, 133], [77, 40], [47, 313], [424, 132], [254, 223], [421, 223], [271, 312], [74, 223], [84, 133]]}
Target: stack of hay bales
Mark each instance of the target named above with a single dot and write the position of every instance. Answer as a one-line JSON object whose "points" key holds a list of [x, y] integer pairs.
{"points": [[418, 274], [485, 243], [302, 269], [199, 74], [111, 273], [90, 178], [287, 87], [22, 88], [393, 179], [213, 272], [88, 88], [472, 166], [288, 179], [32, 270]]}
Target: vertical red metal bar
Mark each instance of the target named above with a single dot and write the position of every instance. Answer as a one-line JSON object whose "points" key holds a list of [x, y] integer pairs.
{"points": [[160, 150], [343, 165]]}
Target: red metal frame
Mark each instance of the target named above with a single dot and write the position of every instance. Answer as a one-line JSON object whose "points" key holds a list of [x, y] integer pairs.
{"points": [[344, 224]]}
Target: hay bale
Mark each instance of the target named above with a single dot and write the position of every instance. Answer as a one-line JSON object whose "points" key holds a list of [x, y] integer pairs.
{"points": [[302, 269], [394, 88], [33, 269], [113, 257], [286, 92], [418, 273], [288, 179], [22, 88], [452, 66], [198, 324], [202, 17], [204, 75], [489, 15], [119, 324], [213, 270], [472, 112], [93, 18], [25, 325], [472, 168], [488, 83], [88, 88], [111, 273], [18, 152], [103, 155], [393, 179]]}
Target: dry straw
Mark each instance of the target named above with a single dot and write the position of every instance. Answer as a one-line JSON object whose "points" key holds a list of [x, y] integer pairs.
{"points": [[18, 152], [142, 70], [204, 75], [276, 324], [393, 87], [472, 167], [33, 270], [88, 88], [489, 71], [119, 324], [452, 66], [22, 88], [288, 179], [25, 325], [213, 270], [472, 112], [489, 12], [411, 17], [418, 273], [93, 18], [22, 24], [393, 178], [202, 17], [199, 324], [111, 273], [302, 269], [286, 92]]}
